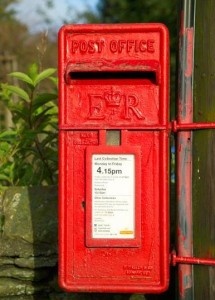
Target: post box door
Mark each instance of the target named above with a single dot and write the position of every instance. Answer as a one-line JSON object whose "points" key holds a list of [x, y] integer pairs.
{"points": [[113, 196]]}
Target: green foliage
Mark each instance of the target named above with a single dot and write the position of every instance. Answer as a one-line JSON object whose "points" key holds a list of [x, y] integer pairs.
{"points": [[6, 11], [28, 150]]}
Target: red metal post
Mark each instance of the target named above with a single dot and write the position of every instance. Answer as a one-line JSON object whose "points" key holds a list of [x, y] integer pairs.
{"points": [[191, 260], [191, 126], [184, 147]]}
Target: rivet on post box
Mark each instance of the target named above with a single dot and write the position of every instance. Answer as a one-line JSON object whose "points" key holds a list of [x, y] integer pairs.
{"points": [[113, 170]]}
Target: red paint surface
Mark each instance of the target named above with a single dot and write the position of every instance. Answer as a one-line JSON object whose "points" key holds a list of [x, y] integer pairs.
{"points": [[184, 153], [134, 100], [191, 260], [190, 36], [191, 126]]}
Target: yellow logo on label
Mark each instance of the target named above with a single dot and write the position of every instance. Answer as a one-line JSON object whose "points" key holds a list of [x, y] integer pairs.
{"points": [[126, 232]]}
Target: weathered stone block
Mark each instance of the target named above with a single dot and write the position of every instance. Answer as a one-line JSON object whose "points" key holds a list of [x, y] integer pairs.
{"points": [[29, 221], [137, 297], [26, 297], [24, 273], [6, 261], [36, 262], [14, 287]]}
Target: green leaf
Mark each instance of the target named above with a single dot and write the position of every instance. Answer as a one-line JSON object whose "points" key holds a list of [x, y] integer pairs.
{"points": [[53, 111], [18, 91], [19, 113], [54, 80], [48, 140], [22, 76], [49, 123], [29, 134], [4, 147], [43, 75], [7, 134], [54, 123], [33, 71], [34, 128], [4, 177], [50, 154], [41, 117], [42, 99]]}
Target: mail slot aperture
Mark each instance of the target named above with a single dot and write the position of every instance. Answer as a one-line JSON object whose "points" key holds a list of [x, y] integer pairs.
{"points": [[146, 76]]}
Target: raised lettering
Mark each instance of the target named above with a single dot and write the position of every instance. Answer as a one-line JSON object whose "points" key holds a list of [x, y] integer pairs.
{"points": [[143, 46], [150, 46], [91, 46], [96, 107], [130, 45], [131, 104], [100, 46], [103, 106], [121, 45], [74, 46], [83, 46], [85, 138], [136, 46], [113, 46]]}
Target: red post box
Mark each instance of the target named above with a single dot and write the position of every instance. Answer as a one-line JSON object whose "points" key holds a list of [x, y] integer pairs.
{"points": [[113, 220]]}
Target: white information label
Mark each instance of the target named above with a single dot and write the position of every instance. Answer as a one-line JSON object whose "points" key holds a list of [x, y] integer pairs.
{"points": [[113, 196]]}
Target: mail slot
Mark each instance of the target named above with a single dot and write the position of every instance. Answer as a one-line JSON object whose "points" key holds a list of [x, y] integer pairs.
{"points": [[113, 170]]}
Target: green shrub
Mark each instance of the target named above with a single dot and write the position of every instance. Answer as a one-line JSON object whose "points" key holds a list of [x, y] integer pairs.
{"points": [[28, 150]]}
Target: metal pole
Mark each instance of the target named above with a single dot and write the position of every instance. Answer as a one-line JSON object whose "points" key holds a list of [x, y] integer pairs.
{"points": [[203, 149], [184, 147]]}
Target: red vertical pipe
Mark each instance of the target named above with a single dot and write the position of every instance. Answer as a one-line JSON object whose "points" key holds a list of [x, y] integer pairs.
{"points": [[184, 147]]}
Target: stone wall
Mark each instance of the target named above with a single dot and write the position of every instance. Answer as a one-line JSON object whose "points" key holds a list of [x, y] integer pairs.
{"points": [[28, 247], [28, 243]]}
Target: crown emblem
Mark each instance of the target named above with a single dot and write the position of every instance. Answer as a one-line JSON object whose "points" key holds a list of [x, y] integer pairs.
{"points": [[113, 98]]}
